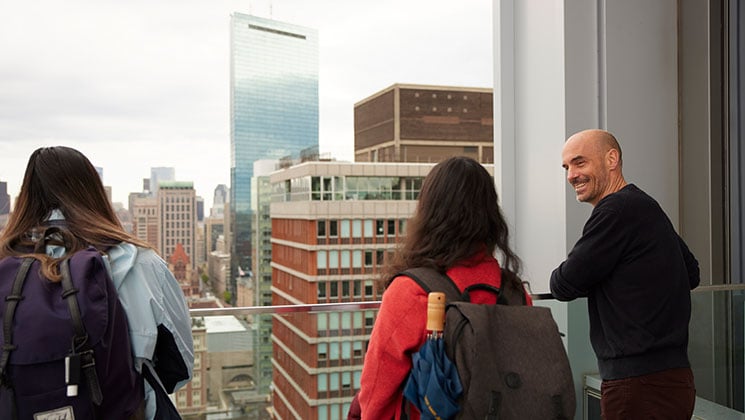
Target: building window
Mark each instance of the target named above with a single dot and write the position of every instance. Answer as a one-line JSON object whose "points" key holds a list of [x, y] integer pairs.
{"points": [[346, 324], [392, 227], [368, 288], [333, 259], [379, 227], [322, 352], [345, 228], [368, 258], [196, 381], [356, 228], [322, 290], [322, 322], [334, 381], [369, 319], [368, 228], [321, 233], [321, 260], [323, 382], [333, 229]]}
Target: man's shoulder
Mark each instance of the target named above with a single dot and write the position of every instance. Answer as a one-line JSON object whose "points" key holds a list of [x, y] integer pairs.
{"points": [[628, 197]]}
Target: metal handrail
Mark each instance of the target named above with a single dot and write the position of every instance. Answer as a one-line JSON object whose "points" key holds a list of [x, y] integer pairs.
{"points": [[375, 304], [286, 309]]}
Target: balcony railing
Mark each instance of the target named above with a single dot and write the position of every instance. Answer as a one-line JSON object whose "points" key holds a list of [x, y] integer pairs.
{"points": [[305, 360]]}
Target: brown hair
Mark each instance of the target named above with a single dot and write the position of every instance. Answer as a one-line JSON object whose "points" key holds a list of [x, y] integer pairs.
{"points": [[457, 216], [61, 178]]}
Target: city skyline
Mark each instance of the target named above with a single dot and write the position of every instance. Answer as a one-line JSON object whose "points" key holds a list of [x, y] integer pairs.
{"points": [[151, 88]]}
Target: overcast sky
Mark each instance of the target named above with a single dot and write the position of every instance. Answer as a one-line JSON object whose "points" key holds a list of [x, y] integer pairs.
{"points": [[137, 84]]}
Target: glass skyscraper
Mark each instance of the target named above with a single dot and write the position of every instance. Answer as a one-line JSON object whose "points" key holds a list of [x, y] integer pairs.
{"points": [[274, 110]]}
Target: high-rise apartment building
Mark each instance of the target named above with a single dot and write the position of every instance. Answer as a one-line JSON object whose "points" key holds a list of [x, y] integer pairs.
{"points": [[177, 218], [274, 109], [333, 225], [419, 123]]}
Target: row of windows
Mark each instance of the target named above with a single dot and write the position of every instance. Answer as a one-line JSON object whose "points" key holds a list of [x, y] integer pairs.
{"points": [[434, 109], [333, 411], [336, 351], [345, 258], [358, 228], [340, 188], [178, 199], [186, 242], [449, 96], [334, 324], [170, 225], [178, 216], [178, 207], [339, 381], [330, 289]]}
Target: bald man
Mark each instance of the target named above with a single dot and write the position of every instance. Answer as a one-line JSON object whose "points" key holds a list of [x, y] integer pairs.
{"points": [[637, 274]]}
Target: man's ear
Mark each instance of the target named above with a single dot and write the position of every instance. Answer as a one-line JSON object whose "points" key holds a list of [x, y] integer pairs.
{"points": [[611, 158]]}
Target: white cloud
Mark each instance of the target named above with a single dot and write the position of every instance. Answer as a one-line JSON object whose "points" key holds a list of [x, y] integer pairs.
{"points": [[139, 84]]}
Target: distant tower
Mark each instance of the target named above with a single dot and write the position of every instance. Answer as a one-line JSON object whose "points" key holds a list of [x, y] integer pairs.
{"points": [[4, 198], [274, 109], [160, 174]]}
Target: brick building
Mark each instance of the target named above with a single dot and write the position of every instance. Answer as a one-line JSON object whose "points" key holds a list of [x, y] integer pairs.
{"points": [[418, 123]]}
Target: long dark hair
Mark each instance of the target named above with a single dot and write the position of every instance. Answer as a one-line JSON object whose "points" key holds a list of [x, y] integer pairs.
{"points": [[61, 178], [457, 216]]}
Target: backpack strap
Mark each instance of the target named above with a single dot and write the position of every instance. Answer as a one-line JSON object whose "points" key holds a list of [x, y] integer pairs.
{"points": [[80, 344], [511, 293], [430, 279], [10, 309]]}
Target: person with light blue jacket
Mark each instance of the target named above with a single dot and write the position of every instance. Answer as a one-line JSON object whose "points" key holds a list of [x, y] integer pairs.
{"points": [[157, 314], [61, 188]]}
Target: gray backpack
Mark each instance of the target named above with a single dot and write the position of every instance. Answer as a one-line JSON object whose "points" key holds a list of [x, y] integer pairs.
{"points": [[510, 357]]}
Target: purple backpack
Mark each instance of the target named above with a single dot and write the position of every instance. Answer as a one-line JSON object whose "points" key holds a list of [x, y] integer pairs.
{"points": [[66, 350]]}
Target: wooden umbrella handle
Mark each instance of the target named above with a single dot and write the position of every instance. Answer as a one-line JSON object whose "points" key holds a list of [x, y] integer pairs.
{"points": [[436, 311]]}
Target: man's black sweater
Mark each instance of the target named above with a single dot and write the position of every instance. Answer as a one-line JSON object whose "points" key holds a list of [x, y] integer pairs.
{"points": [[636, 273]]}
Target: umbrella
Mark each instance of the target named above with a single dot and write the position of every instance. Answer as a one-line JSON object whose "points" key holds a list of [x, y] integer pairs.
{"points": [[433, 385]]}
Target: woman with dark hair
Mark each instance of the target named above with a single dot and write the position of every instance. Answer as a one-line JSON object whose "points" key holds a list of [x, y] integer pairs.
{"points": [[457, 229], [62, 189]]}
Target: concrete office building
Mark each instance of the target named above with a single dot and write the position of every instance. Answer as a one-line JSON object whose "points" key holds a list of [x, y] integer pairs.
{"points": [[274, 109], [666, 78], [177, 219], [144, 210], [332, 225], [419, 123]]}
